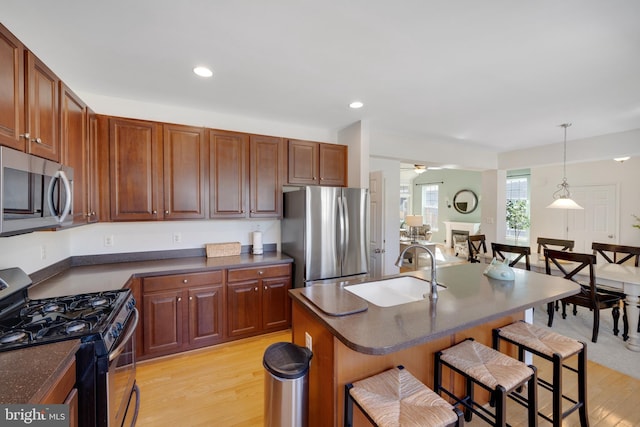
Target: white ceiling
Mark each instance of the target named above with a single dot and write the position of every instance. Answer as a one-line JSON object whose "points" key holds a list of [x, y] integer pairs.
{"points": [[499, 73]]}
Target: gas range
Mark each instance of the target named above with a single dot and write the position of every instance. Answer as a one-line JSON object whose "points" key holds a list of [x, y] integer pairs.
{"points": [[104, 322], [95, 317]]}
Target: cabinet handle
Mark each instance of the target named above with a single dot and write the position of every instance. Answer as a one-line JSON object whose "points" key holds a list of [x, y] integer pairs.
{"points": [[25, 135], [190, 298], [155, 212], [260, 272], [37, 140], [166, 212], [179, 299], [185, 281], [265, 288], [256, 289]]}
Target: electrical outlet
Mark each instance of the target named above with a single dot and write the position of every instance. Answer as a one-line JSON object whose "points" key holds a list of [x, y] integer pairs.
{"points": [[177, 237], [308, 341], [43, 252], [108, 240]]}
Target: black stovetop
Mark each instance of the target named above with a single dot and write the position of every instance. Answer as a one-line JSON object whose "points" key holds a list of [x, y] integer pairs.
{"points": [[97, 316]]}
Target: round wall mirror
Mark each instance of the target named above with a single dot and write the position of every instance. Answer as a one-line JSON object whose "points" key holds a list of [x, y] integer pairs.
{"points": [[465, 201]]}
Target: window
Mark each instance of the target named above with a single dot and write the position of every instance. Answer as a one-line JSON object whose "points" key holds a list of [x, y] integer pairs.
{"points": [[518, 189], [430, 205]]}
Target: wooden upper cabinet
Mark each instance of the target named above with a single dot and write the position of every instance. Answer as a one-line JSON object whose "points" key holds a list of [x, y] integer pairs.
{"points": [[185, 172], [303, 162], [92, 168], [266, 176], [228, 179], [332, 161], [317, 163], [135, 169], [42, 109], [75, 149], [12, 121]]}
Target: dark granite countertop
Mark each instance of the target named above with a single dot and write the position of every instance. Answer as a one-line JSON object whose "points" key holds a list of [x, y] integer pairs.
{"points": [[95, 278], [28, 374], [470, 299]]}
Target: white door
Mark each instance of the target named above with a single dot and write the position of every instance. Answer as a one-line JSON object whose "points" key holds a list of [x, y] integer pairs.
{"points": [[598, 221], [376, 249]]}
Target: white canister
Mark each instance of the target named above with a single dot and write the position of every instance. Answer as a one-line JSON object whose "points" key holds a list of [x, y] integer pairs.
{"points": [[257, 242]]}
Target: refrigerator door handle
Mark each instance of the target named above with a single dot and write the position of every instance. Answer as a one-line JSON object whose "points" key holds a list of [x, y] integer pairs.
{"points": [[341, 221], [345, 218]]}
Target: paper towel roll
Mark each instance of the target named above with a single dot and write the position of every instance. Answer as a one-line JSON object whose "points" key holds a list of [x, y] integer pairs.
{"points": [[257, 242]]}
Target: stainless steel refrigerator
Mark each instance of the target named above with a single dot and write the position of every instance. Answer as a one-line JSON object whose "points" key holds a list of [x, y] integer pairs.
{"points": [[326, 231]]}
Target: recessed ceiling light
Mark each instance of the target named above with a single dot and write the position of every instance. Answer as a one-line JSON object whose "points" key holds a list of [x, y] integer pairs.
{"points": [[356, 105], [621, 159], [203, 71]]}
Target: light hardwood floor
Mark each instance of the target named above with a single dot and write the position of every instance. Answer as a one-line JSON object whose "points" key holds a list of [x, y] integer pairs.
{"points": [[223, 386]]}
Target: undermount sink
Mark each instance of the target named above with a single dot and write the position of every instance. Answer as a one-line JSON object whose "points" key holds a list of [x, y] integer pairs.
{"points": [[395, 291]]}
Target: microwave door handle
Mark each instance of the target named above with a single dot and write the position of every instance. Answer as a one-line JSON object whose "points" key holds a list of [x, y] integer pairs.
{"points": [[67, 189], [131, 330]]}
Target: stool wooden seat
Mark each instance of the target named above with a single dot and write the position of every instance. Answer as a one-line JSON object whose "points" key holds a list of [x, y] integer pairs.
{"points": [[555, 348], [497, 373], [396, 398]]}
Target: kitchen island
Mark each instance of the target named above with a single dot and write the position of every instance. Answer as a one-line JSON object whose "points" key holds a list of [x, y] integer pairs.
{"points": [[348, 347]]}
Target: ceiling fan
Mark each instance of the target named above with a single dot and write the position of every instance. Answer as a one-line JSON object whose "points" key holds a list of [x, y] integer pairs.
{"points": [[416, 168]]}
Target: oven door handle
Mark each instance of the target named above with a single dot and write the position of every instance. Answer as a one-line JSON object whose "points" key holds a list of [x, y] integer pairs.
{"points": [[120, 348]]}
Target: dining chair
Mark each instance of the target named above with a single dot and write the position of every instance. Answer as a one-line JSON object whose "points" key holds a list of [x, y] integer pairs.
{"points": [[500, 251], [616, 254], [569, 264], [558, 244], [477, 245]]}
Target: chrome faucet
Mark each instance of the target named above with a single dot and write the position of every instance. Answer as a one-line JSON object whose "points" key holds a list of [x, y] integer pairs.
{"points": [[434, 285]]}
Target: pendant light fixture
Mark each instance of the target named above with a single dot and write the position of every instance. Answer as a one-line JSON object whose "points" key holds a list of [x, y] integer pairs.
{"points": [[562, 195]]}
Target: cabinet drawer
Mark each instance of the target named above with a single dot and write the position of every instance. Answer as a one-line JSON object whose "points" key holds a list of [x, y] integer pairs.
{"points": [[163, 283], [239, 274]]}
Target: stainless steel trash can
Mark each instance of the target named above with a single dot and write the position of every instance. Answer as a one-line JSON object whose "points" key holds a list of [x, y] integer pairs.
{"points": [[286, 385]]}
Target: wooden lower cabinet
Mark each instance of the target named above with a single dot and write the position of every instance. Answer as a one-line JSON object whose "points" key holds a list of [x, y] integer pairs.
{"points": [[258, 300], [186, 311], [181, 312], [64, 391]]}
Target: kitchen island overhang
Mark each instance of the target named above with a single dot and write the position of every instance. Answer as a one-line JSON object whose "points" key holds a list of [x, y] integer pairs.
{"points": [[351, 347]]}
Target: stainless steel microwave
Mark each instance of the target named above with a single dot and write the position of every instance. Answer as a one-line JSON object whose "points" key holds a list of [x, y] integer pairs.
{"points": [[35, 193]]}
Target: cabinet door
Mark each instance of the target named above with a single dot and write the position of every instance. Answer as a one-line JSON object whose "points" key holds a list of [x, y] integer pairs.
{"points": [[42, 116], [244, 308], [135, 170], [12, 122], [276, 304], [303, 162], [185, 172], [333, 165], [75, 149], [92, 168], [206, 315], [163, 322], [265, 175], [228, 152]]}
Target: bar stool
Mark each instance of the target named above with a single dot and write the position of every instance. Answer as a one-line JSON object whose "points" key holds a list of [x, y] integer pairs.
{"points": [[556, 349], [395, 398], [497, 373]]}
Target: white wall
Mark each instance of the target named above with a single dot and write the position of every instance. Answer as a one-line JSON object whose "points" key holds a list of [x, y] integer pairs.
{"points": [[356, 138], [544, 181]]}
